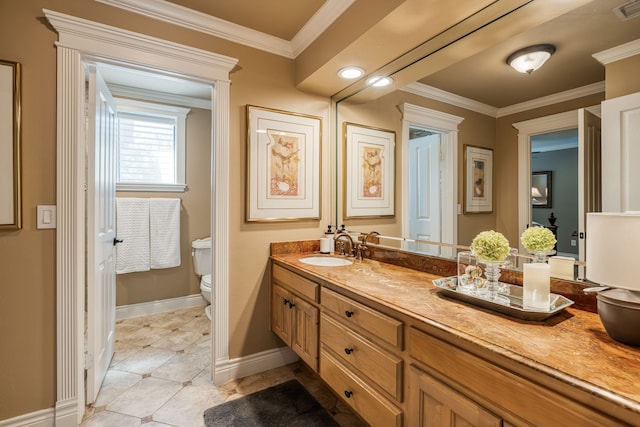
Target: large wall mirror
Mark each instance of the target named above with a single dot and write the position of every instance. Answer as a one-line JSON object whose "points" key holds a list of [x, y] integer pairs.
{"points": [[10, 203], [457, 90]]}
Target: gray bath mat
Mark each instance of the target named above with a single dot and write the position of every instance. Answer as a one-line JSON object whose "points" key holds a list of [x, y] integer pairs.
{"points": [[287, 404]]}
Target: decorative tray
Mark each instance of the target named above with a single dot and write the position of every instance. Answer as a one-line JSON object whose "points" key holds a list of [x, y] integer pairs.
{"points": [[509, 303]]}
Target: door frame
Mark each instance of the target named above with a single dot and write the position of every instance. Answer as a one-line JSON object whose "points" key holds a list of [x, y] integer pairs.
{"points": [[527, 129], [447, 125], [80, 40]]}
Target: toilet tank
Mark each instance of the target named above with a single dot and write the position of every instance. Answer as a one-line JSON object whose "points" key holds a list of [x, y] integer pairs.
{"points": [[201, 254]]}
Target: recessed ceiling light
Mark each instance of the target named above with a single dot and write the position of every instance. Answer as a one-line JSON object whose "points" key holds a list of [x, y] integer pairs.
{"points": [[351, 72], [379, 81]]}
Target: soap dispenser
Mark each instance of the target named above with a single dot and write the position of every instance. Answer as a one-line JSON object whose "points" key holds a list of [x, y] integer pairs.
{"points": [[327, 245]]}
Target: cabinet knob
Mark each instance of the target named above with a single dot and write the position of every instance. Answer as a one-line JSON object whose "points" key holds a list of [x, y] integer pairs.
{"points": [[291, 305], [348, 350], [285, 302], [348, 393], [348, 313]]}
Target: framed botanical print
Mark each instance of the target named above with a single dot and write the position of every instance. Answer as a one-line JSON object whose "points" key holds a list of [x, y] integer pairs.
{"points": [[478, 179], [283, 165], [369, 181]]}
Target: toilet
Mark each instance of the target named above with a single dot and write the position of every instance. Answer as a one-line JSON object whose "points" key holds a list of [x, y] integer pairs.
{"points": [[201, 255]]}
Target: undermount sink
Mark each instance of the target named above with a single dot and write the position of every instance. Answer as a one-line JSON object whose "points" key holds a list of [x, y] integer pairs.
{"points": [[326, 261]]}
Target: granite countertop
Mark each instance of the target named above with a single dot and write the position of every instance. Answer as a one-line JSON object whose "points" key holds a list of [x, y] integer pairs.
{"points": [[571, 346]]}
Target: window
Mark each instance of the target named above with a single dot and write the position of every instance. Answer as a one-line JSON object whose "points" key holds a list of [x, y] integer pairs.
{"points": [[151, 146]]}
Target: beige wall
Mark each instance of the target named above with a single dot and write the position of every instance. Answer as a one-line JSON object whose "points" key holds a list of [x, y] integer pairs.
{"points": [[133, 288], [476, 129], [622, 77], [27, 256]]}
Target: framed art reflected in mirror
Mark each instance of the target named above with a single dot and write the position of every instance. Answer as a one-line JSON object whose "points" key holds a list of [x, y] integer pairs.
{"points": [[541, 189], [10, 116], [478, 179]]}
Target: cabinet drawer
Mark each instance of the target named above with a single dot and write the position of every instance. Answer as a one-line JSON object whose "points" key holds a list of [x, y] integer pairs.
{"points": [[382, 326], [526, 399], [369, 404], [295, 282], [382, 368]]}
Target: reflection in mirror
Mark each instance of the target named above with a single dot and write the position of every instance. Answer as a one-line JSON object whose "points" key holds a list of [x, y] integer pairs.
{"points": [[493, 112]]}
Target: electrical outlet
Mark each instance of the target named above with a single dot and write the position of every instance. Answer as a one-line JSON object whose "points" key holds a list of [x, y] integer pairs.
{"points": [[573, 242]]}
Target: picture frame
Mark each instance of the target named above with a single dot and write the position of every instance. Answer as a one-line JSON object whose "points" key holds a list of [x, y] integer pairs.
{"points": [[541, 189], [478, 179], [283, 165], [10, 145], [369, 171]]}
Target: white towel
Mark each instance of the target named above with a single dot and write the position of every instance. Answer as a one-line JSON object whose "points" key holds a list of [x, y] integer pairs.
{"points": [[132, 222], [164, 226]]}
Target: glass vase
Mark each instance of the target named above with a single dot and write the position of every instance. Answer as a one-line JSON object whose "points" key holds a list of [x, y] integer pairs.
{"points": [[493, 289]]}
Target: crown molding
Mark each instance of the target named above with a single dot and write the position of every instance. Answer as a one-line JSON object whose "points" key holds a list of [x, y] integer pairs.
{"points": [[618, 53], [197, 21], [479, 107], [450, 98], [556, 98]]}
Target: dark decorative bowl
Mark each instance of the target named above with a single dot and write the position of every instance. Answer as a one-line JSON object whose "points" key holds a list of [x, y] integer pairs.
{"points": [[619, 311]]}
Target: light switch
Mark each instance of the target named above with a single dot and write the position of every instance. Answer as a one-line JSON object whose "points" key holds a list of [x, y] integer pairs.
{"points": [[46, 216]]}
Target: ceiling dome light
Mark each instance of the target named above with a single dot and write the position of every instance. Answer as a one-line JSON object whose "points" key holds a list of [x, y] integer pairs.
{"points": [[530, 58], [350, 73], [379, 81]]}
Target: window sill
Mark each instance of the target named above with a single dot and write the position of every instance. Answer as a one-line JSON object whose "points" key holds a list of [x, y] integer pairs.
{"points": [[164, 188]]}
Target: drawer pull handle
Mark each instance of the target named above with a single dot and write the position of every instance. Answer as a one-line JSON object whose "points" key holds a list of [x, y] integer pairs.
{"points": [[348, 350], [348, 393], [348, 313]]}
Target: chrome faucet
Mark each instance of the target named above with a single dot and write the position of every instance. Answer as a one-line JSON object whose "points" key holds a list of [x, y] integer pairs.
{"points": [[340, 243]]}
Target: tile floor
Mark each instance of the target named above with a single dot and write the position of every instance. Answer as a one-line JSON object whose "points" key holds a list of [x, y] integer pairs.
{"points": [[160, 376]]}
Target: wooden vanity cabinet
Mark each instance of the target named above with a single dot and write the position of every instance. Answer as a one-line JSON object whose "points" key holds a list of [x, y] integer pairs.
{"points": [[294, 313], [360, 358], [454, 387]]}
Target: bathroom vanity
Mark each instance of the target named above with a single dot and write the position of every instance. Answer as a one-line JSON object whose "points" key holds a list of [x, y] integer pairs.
{"points": [[399, 353]]}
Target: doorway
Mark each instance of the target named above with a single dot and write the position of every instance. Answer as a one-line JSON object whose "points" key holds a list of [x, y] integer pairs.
{"points": [[80, 41], [554, 187], [446, 127], [587, 121], [424, 190]]}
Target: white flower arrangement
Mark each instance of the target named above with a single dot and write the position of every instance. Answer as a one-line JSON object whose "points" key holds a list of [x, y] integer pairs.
{"points": [[490, 246], [538, 239]]}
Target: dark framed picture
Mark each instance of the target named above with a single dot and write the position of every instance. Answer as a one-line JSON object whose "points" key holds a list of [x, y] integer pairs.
{"points": [[541, 189]]}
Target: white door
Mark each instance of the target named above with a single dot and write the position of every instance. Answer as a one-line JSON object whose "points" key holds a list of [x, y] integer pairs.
{"points": [[620, 154], [424, 192], [589, 175], [101, 224]]}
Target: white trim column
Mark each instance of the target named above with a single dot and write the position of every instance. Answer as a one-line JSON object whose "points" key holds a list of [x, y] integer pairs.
{"points": [[220, 228], [70, 259]]}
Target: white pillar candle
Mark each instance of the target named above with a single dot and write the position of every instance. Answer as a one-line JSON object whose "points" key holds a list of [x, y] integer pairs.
{"points": [[536, 286]]}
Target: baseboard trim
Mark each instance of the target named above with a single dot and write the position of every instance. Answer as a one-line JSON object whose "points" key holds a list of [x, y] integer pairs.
{"points": [[43, 418], [230, 369], [160, 306]]}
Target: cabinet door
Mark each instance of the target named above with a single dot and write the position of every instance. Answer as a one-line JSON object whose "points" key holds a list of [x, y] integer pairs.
{"points": [[435, 404], [281, 313], [305, 332]]}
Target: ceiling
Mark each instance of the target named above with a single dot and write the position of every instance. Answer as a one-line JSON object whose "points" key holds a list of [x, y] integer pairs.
{"points": [[449, 48]]}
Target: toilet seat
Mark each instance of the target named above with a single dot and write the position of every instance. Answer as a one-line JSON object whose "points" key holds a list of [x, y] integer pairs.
{"points": [[205, 282]]}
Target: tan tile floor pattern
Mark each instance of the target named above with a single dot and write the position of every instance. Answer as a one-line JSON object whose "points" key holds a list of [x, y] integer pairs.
{"points": [[160, 376]]}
